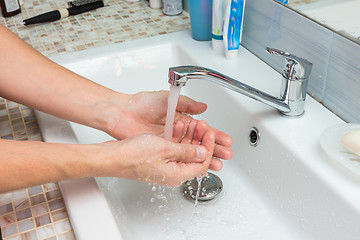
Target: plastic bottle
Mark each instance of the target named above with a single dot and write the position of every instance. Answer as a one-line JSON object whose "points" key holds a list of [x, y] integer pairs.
{"points": [[155, 4], [218, 13], [200, 19], [172, 7], [10, 7]]}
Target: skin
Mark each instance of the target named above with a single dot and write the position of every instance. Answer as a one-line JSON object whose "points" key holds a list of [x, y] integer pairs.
{"points": [[136, 120]]}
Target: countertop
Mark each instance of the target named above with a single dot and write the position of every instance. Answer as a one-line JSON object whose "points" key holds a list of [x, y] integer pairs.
{"points": [[39, 212]]}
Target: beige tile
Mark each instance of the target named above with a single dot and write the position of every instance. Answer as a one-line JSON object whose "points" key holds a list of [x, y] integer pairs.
{"points": [[37, 199], [26, 225], [35, 190], [4, 209], [9, 230], [46, 232], [59, 215], [50, 186], [23, 214], [21, 203], [5, 198], [40, 209], [7, 219], [56, 204], [62, 226], [31, 235], [13, 238], [42, 220], [53, 195], [20, 194], [67, 236]]}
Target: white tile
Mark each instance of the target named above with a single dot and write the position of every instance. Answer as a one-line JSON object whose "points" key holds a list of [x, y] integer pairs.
{"points": [[26, 225], [343, 83], [40, 209], [9, 230], [5, 198], [46, 231], [62, 226]]}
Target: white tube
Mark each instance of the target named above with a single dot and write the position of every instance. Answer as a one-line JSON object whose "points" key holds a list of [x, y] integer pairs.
{"points": [[218, 25], [233, 25]]}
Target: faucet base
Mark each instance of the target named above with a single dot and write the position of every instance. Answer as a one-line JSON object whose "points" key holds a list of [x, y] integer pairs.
{"points": [[291, 116]]}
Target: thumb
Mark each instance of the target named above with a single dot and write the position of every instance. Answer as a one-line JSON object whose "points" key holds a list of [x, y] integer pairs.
{"points": [[190, 106]]}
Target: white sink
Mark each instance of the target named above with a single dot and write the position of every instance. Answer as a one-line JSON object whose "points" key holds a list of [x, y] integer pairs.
{"points": [[285, 188]]}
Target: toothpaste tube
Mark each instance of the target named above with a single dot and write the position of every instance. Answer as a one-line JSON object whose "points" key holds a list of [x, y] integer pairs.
{"points": [[218, 13], [233, 25]]}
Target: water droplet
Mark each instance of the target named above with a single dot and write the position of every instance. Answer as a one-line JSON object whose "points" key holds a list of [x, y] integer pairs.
{"points": [[152, 200], [153, 188]]}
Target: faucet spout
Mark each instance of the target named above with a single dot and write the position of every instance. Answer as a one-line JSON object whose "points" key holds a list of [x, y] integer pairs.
{"points": [[178, 76], [291, 102]]}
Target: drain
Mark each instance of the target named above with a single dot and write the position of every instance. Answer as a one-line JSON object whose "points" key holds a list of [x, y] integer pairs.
{"points": [[254, 136], [211, 186]]}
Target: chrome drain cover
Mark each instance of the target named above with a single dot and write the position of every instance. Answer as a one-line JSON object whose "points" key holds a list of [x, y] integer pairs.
{"points": [[211, 186]]}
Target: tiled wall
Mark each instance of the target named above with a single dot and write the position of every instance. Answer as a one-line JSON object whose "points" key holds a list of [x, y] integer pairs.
{"points": [[335, 77], [37, 212]]}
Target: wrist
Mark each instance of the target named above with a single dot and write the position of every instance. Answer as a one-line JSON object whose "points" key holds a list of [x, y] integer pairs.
{"points": [[111, 112]]}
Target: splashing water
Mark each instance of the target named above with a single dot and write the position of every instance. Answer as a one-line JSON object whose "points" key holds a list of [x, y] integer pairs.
{"points": [[170, 115], [199, 180]]}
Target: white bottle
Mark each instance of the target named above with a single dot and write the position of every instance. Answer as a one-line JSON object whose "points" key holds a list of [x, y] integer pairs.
{"points": [[155, 4]]}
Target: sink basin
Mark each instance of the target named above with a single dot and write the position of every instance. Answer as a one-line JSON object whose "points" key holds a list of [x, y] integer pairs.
{"points": [[284, 188]]}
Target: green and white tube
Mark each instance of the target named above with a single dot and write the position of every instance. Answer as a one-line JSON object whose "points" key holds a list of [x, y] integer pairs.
{"points": [[218, 25]]}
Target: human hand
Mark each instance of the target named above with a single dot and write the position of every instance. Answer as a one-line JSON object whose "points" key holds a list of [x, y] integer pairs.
{"points": [[150, 158], [146, 113]]}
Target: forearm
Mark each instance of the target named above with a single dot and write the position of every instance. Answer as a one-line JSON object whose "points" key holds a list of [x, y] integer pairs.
{"points": [[29, 78], [25, 164]]}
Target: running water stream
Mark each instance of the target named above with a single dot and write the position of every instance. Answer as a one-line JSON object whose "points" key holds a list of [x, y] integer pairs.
{"points": [[171, 110], [173, 98]]}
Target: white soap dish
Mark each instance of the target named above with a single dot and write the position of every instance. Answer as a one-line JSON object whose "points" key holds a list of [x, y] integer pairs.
{"points": [[330, 141]]}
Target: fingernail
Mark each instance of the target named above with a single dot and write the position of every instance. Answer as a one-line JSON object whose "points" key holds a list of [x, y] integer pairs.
{"points": [[201, 152]]}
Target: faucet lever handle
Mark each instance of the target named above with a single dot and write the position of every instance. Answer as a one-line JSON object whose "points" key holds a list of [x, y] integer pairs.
{"points": [[295, 67]]}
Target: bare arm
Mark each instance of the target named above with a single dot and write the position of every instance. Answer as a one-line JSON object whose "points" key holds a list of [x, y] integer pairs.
{"points": [[25, 164], [27, 77]]}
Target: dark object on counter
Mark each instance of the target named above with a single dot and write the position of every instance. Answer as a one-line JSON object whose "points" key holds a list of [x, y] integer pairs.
{"points": [[63, 13], [0, 234], [10, 7], [78, 3]]}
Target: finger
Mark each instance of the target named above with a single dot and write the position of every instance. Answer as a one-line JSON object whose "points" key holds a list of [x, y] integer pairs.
{"points": [[216, 164], [200, 131], [178, 131], [223, 152], [187, 153], [190, 106], [189, 136], [222, 138]]}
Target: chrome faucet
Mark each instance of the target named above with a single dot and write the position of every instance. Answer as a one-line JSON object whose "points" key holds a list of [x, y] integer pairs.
{"points": [[293, 88]]}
